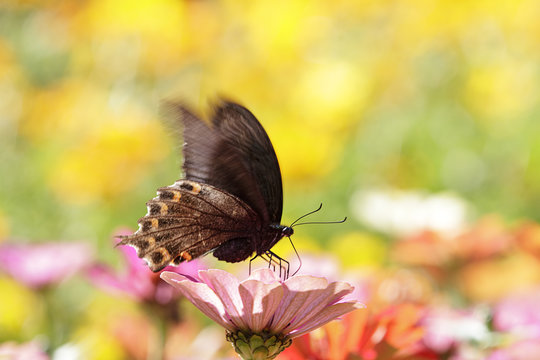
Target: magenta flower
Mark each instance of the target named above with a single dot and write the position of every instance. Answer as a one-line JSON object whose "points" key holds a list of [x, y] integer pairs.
{"points": [[26, 351], [262, 314], [138, 282], [39, 265]]}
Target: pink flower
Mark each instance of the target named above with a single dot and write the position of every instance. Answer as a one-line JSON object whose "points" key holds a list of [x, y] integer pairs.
{"points": [[521, 350], [262, 314], [39, 265], [519, 315], [138, 282], [27, 351]]}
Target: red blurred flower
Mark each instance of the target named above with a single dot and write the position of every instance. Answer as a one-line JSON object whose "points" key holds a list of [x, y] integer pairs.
{"points": [[394, 333]]}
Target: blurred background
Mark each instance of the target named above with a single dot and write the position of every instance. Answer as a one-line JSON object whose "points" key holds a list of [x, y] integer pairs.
{"points": [[416, 119]]}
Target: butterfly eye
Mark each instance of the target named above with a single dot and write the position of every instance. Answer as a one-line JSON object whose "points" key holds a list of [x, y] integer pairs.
{"points": [[288, 231]]}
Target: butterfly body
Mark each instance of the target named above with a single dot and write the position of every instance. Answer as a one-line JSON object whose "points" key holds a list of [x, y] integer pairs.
{"points": [[229, 202]]}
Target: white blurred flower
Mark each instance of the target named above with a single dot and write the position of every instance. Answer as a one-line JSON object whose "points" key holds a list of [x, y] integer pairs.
{"points": [[67, 351], [447, 327], [401, 213]]}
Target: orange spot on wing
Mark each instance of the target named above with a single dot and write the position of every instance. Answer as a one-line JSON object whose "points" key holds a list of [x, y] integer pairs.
{"points": [[185, 255]]}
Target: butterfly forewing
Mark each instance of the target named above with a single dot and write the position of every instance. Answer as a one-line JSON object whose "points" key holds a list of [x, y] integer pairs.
{"points": [[187, 220], [239, 127], [233, 154]]}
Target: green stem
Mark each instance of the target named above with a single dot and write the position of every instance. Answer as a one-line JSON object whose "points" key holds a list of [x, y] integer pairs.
{"points": [[53, 319], [156, 346]]}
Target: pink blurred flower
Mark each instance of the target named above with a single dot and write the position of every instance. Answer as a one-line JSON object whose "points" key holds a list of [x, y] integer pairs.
{"points": [[26, 351], [521, 350], [39, 265], [139, 282], [519, 314], [262, 314]]}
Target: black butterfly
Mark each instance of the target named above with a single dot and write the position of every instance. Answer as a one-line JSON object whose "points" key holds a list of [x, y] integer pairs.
{"points": [[230, 201]]}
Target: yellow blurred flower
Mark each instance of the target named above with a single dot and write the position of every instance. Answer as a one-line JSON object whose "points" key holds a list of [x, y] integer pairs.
{"points": [[357, 249], [97, 344], [96, 332], [19, 309], [157, 27], [109, 163], [331, 93], [502, 91], [66, 112], [491, 280], [282, 21], [304, 153], [302, 243]]}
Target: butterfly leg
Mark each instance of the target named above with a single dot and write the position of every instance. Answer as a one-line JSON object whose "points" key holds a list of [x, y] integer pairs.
{"points": [[262, 256], [272, 261], [250, 260], [280, 262]]}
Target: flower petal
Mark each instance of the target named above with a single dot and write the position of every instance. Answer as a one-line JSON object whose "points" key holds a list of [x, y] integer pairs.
{"points": [[225, 286], [299, 291], [322, 299], [326, 315], [202, 296], [265, 275], [260, 302]]}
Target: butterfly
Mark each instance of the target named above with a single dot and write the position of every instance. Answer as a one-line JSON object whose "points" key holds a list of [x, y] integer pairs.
{"points": [[230, 200]]}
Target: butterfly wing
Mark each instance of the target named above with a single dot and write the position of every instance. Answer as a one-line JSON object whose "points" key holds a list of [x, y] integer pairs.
{"points": [[235, 155], [239, 128], [187, 220]]}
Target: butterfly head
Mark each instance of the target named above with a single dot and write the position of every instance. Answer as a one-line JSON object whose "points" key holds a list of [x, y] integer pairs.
{"points": [[286, 231]]}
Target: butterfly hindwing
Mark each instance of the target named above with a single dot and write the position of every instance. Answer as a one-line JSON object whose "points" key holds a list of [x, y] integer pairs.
{"points": [[187, 220]]}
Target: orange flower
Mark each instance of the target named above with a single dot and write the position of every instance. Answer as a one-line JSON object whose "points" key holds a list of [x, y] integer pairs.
{"points": [[528, 238], [394, 333]]}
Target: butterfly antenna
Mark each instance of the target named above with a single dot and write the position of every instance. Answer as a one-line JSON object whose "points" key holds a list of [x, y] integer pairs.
{"points": [[323, 222], [303, 216], [297, 255]]}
